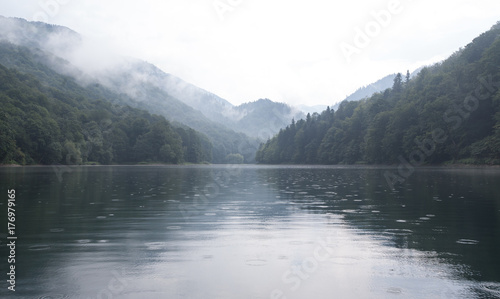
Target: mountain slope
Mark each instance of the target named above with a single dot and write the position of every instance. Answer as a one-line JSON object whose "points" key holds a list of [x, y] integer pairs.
{"points": [[140, 80], [45, 50], [448, 112], [378, 86], [264, 118], [41, 124]]}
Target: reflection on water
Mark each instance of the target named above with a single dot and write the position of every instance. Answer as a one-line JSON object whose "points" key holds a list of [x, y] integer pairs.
{"points": [[253, 232]]}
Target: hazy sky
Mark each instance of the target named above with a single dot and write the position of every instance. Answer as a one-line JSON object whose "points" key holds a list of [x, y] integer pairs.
{"points": [[299, 52]]}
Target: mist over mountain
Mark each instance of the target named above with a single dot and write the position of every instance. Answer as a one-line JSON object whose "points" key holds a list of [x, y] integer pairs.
{"points": [[206, 125], [264, 118], [133, 82], [258, 119], [34, 53], [92, 63], [47, 118], [447, 113], [38, 35]]}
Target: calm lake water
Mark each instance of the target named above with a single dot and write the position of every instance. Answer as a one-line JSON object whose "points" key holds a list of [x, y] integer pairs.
{"points": [[251, 232]]}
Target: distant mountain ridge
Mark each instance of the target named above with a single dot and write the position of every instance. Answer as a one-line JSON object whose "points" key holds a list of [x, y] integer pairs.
{"points": [[34, 53], [370, 89], [142, 85], [311, 109], [276, 116], [213, 107], [140, 80]]}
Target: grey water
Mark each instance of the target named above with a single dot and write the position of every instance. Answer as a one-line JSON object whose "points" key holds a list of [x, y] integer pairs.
{"points": [[251, 232]]}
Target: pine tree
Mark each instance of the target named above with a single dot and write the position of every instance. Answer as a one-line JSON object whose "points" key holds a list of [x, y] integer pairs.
{"points": [[398, 83]]}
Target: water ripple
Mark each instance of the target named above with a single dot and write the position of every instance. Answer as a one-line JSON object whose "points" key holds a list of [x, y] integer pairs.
{"points": [[467, 242], [83, 241], [492, 288], [256, 262], [156, 245], [394, 290], [39, 247], [173, 227], [398, 232], [54, 296]]}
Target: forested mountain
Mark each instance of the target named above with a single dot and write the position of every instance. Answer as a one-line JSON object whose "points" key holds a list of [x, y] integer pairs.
{"points": [[145, 86], [378, 86], [141, 85], [44, 51], [40, 124], [264, 118], [152, 89], [449, 112]]}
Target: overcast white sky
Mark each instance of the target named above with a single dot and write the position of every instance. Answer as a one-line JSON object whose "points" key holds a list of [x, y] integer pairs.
{"points": [[288, 51]]}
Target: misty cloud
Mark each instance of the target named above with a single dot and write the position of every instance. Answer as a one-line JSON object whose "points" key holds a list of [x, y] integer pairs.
{"points": [[286, 51]]}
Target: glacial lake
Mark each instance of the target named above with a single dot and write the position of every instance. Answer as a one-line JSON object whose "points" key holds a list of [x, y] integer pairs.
{"points": [[224, 231]]}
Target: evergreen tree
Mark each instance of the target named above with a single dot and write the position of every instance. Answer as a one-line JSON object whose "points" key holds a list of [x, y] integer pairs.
{"points": [[398, 83], [47, 125], [449, 112]]}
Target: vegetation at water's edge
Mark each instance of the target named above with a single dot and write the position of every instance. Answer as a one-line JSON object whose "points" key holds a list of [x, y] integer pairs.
{"points": [[449, 113], [61, 75], [46, 125]]}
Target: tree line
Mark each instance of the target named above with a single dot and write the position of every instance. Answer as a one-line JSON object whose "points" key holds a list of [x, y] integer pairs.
{"points": [[458, 98], [40, 124]]}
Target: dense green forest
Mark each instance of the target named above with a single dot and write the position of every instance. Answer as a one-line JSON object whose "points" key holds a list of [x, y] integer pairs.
{"points": [[40, 124], [47, 68], [449, 112]]}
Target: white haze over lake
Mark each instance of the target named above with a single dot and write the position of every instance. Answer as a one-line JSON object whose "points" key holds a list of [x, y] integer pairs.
{"points": [[298, 52]]}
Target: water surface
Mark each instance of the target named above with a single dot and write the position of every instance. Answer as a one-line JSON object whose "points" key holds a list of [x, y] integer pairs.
{"points": [[252, 232]]}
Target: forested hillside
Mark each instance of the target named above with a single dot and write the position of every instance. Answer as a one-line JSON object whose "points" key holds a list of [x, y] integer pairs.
{"points": [[264, 118], [45, 50], [449, 112], [41, 124]]}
